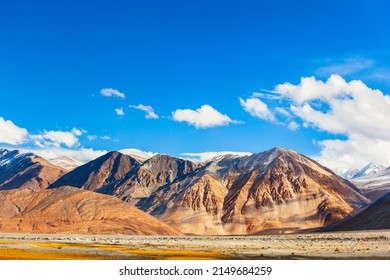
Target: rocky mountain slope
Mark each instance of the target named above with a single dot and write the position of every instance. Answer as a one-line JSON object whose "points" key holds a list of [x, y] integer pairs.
{"points": [[377, 216], [277, 189], [125, 177], [99, 173], [71, 210], [26, 170]]}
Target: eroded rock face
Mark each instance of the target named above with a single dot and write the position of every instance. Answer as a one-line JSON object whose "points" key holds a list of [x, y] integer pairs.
{"points": [[26, 170], [158, 171], [377, 216], [275, 189], [99, 173], [71, 210], [125, 177]]}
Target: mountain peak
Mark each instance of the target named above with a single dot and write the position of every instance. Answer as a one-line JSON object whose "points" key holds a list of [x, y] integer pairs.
{"points": [[369, 169], [26, 170], [137, 154], [66, 162]]}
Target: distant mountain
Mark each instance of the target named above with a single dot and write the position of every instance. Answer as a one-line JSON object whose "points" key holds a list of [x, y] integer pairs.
{"points": [[347, 173], [370, 168], [141, 156], [374, 185], [276, 189], [26, 170], [67, 163], [377, 216], [71, 210]]}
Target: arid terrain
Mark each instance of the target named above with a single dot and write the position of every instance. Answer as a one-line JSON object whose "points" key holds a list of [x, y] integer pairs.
{"points": [[276, 204], [340, 245]]}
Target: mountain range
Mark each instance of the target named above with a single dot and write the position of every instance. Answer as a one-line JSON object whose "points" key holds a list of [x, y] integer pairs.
{"points": [[274, 191], [353, 173]]}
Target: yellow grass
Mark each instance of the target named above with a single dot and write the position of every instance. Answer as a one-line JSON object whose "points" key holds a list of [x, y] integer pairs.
{"points": [[88, 251]]}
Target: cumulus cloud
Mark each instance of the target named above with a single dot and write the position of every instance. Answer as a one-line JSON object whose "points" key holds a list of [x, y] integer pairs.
{"points": [[112, 92], [204, 117], [348, 109], [119, 112], [48, 144], [205, 156], [11, 133], [257, 108], [150, 114], [55, 139]]}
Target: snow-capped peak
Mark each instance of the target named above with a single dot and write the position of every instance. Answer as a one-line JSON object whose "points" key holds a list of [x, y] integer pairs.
{"points": [[9, 156], [347, 173], [66, 162], [370, 168], [138, 154]]}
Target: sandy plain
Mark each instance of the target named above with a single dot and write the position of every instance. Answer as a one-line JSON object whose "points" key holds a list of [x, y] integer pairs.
{"points": [[337, 245]]}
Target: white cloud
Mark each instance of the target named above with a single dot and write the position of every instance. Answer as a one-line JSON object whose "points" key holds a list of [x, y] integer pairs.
{"points": [[311, 89], [55, 139], [119, 112], [112, 92], [351, 109], [81, 154], [11, 133], [150, 114], [92, 137], [204, 117], [293, 126], [48, 144], [347, 67], [283, 112], [268, 94], [257, 108], [78, 132], [205, 156]]}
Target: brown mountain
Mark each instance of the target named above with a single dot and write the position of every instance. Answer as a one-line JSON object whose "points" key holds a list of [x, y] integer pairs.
{"points": [[377, 216], [125, 177], [71, 210], [160, 170], [99, 173], [26, 170], [276, 189]]}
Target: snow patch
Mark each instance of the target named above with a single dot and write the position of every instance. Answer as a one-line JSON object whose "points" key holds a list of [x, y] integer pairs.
{"points": [[137, 154]]}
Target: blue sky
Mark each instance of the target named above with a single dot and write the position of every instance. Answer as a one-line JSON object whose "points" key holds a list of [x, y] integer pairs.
{"points": [[57, 57]]}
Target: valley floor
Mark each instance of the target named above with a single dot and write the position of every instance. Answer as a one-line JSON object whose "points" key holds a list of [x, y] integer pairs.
{"points": [[339, 245]]}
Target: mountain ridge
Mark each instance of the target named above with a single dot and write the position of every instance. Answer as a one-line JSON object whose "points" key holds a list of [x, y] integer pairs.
{"points": [[26, 170], [230, 194]]}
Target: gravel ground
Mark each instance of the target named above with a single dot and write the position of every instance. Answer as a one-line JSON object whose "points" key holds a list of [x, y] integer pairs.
{"points": [[338, 245]]}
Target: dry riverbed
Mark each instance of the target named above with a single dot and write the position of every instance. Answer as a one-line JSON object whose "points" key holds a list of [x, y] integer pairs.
{"points": [[340, 245]]}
